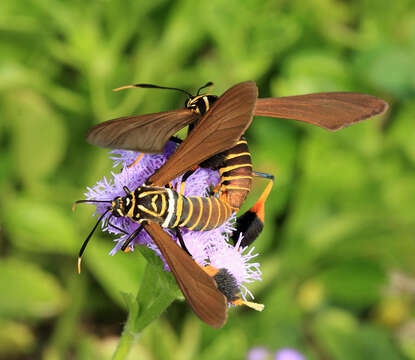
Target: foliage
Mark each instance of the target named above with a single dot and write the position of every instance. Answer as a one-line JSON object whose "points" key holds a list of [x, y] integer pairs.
{"points": [[338, 246]]}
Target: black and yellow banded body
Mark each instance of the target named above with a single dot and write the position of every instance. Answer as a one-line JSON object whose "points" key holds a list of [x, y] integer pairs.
{"points": [[235, 170], [236, 175], [234, 165], [170, 209]]}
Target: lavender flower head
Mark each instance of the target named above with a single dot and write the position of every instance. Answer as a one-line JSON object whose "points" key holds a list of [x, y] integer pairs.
{"points": [[207, 247], [288, 354], [258, 353]]}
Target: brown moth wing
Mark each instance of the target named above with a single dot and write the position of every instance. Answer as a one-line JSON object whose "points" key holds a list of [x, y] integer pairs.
{"points": [[199, 289], [218, 130], [145, 133], [332, 110]]}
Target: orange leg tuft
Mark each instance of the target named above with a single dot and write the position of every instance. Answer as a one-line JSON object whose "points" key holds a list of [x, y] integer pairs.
{"points": [[136, 161]]}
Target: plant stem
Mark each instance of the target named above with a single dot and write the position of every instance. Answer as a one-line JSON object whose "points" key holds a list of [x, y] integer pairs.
{"points": [[127, 339], [154, 296]]}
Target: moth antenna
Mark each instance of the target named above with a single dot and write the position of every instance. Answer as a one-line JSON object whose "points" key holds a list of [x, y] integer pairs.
{"points": [[92, 201], [79, 265], [151, 86], [123, 87], [210, 83], [81, 251]]}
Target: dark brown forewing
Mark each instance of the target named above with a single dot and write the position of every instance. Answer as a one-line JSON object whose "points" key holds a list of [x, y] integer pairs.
{"points": [[218, 130], [331, 111], [199, 289], [146, 133]]}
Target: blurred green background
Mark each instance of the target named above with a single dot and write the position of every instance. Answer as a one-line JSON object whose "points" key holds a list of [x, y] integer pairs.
{"points": [[338, 247]]}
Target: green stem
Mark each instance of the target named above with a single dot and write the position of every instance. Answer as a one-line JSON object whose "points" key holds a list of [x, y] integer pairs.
{"points": [[154, 296], [128, 336], [154, 311]]}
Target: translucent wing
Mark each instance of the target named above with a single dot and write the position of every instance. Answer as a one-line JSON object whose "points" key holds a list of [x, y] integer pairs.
{"points": [[218, 130], [199, 289], [145, 133], [332, 110]]}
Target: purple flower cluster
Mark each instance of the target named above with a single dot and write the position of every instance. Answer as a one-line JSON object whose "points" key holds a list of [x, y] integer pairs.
{"points": [[288, 354], [207, 247], [262, 353]]}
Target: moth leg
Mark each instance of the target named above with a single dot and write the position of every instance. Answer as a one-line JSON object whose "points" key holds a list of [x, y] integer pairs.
{"points": [[186, 175], [170, 186], [181, 241], [216, 190], [263, 175], [118, 228], [173, 138], [136, 161], [251, 223], [252, 305], [131, 237]]}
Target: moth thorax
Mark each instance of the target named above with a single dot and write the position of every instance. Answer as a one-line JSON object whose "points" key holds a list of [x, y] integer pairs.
{"points": [[200, 104], [152, 204]]}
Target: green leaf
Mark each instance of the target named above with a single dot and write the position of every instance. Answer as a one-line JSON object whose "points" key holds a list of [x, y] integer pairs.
{"points": [[154, 296], [232, 346], [401, 134], [39, 226], [15, 338], [340, 337], [355, 283], [312, 71], [118, 274], [389, 68], [36, 156], [31, 292], [156, 262]]}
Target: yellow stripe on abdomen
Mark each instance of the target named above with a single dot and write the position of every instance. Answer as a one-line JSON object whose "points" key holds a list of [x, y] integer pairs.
{"points": [[210, 214], [179, 209], [190, 212], [199, 199], [233, 167]]}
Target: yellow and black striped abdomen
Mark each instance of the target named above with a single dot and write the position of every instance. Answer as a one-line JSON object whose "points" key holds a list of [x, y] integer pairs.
{"points": [[236, 175], [170, 209], [198, 213]]}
